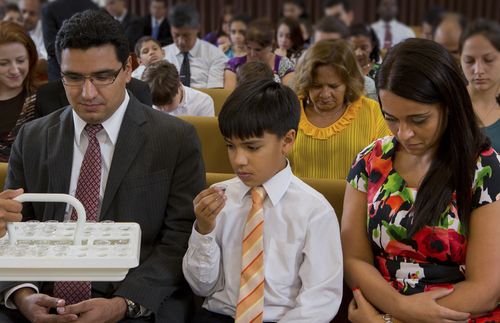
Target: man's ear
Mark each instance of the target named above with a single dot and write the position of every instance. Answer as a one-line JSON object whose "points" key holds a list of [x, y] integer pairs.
{"points": [[128, 69], [287, 141]]}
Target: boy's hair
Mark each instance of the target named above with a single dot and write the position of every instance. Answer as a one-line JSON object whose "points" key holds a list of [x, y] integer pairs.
{"points": [[141, 41], [163, 80], [345, 3], [331, 24], [253, 71], [92, 28], [257, 107], [184, 15]]}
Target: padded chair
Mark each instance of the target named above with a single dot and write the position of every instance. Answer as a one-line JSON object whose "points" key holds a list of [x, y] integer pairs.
{"points": [[219, 96], [3, 174], [213, 146]]}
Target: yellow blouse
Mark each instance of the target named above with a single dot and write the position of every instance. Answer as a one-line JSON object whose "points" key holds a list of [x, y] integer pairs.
{"points": [[329, 152]]}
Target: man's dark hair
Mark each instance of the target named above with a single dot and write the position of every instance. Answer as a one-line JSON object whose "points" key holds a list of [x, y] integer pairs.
{"points": [[184, 15], [92, 28], [257, 107], [331, 24], [163, 80], [345, 3], [254, 71]]}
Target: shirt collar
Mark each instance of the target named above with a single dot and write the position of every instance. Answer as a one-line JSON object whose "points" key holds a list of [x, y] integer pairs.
{"points": [[111, 125], [275, 187], [193, 51], [120, 18]]}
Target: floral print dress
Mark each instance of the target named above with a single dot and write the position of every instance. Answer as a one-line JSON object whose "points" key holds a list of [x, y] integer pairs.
{"points": [[435, 255]]}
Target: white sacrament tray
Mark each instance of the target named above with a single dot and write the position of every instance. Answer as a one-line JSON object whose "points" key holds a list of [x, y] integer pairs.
{"points": [[68, 251]]}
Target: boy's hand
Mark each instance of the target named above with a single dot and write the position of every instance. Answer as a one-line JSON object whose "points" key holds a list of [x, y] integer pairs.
{"points": [[207, 206]]}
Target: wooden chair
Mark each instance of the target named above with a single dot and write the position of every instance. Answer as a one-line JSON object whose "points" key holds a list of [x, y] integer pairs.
{"points": [[3, 174], [213, 146], [219, 96]]}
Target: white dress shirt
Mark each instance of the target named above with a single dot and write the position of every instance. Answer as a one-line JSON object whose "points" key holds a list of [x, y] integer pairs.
{"points": [[37, 36], [302, 252], [399, 31], [193, 103], [107, 141], [206, 63]]}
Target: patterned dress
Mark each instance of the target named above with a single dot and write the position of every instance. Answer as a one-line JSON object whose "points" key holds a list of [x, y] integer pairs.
{"points": [[435, 255]]}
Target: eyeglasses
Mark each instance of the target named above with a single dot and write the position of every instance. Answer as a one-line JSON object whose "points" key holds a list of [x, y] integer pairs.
{"points": [[98, 79]]}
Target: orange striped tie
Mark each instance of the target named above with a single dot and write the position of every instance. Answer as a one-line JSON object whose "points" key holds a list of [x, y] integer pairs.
{"points": [[251, 298]]}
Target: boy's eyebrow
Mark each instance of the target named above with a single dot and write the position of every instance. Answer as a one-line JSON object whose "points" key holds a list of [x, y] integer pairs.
{"points": [[246, 141]]}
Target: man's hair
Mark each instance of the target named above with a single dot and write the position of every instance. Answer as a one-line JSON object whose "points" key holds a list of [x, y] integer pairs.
{"points": [[184, 15], [92, 28], [331, 24], [163, 80], [254, 71], [141, 41], [345, 3], [449, 16], [260, 31], [257, 107]]}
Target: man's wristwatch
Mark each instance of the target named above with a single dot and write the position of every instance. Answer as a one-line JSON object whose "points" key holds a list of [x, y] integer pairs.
{"points": [[133, 309], [387, 318]]}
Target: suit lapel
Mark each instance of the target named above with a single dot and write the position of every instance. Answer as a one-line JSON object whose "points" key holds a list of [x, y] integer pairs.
{"points": [[130, 140], [60, 143]]}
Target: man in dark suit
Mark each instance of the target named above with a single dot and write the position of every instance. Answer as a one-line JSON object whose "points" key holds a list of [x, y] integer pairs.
{"points": [[53, 15], [132, 24], [156, 23], [150, 170], [51, 96]]}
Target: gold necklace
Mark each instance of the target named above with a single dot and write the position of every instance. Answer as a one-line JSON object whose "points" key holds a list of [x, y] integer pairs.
{"points": [[484, 119]]}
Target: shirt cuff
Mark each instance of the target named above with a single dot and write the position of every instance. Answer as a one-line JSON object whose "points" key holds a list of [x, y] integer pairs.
{"points": [[8, 302]]}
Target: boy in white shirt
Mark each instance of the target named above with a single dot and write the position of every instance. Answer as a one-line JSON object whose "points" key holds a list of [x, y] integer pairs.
{"points": [[171, 96], [147, 50], [265, 246]]}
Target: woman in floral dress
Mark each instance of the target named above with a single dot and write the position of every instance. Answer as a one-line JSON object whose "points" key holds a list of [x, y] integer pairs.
{"points": [[420, 227]]}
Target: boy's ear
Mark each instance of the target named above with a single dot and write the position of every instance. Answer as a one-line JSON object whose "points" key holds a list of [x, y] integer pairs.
{"points": [[288, 140]]}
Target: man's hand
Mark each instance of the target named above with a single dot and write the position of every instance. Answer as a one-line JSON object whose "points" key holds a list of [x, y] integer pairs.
{"points": [[97, 310], [10, 210], [207, 206], [35, 307]]}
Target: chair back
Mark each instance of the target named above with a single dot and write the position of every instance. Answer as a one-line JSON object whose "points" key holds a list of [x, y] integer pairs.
{"points": [[219, 96], [3, 174]]}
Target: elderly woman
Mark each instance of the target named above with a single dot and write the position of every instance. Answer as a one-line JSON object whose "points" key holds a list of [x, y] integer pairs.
{"points": [[480, 59], [259, 45], [337, 121], [18, 58]]}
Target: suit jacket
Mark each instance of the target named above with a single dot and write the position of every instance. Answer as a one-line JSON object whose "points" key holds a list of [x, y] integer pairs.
{"points": [[164, 35], [133, 27], [157, 170], [53, 15], [51, 96]]}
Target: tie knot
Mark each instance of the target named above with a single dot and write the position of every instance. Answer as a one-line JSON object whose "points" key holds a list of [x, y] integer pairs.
{"points": [[93, 129], [185, 54], [258, 195]]}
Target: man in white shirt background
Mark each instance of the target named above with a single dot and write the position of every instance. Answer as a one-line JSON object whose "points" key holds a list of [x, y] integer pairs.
{"points": [[388, 29], [200, 64], [31, 10]]}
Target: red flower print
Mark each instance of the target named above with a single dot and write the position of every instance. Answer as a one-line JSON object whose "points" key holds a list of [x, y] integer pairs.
{"points": [[396, 248], [433, 242], [429, 288], [458, 246]]}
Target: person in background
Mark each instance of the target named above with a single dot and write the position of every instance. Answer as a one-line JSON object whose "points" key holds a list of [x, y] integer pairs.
{"points": [[419, 226], [253, 71], [289, 39], [132, 24], [53, 15], [447, 31], [429, 21], [200, 64], [18, 59], [265, 246], [170, 96], [307, 30], [480, 59], [365, 45], [388, 29], [215, 37], [156, 23], [259, 42], [294, 9], [237, 32], [11, 12], [340, 9], [337, 120], [147, 50], [31, 11]]}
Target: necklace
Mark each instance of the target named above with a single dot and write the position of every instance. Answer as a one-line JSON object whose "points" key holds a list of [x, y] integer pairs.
{"points": [[484, 119]]}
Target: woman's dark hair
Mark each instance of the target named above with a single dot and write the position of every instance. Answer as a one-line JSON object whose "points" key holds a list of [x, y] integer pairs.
{"points": [[423, 71], [246, 19], [11, 32], [257, 107], [260, 31], [367, 31], [295, 35], [92, 28], [488, 28]]}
